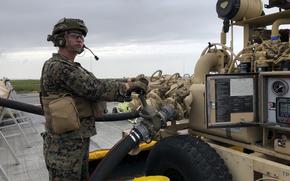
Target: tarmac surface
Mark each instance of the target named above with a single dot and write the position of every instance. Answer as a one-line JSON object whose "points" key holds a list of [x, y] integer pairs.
{"points": [[31, 165]]}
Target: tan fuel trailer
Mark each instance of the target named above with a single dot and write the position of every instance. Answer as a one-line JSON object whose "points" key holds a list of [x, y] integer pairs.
{"points": [[240, 103], [230, 120]]}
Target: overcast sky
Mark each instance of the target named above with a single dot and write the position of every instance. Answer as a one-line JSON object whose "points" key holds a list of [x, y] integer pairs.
{"points": [[129, 36]]}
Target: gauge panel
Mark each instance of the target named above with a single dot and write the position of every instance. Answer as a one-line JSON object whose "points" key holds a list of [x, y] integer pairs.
{"points": [[280, 87], [278, 99]]}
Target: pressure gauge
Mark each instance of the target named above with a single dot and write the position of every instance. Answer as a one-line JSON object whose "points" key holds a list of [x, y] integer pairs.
{"points": [[280, 87]]}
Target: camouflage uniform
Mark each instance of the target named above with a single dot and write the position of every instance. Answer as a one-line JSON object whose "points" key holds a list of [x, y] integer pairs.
{"points": [[66, 154]]}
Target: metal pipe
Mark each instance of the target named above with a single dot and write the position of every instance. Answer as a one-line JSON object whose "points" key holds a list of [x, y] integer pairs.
{"points": [[214, 44], [232, 63], [223, 38], [275, 28], [204, 65], [232, 38]]}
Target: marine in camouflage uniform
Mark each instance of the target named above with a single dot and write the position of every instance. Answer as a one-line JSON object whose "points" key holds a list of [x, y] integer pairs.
{"points": [[66, 154]]}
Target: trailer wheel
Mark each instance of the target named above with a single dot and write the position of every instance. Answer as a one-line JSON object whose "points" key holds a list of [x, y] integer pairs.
{"points": [[185, 158]]}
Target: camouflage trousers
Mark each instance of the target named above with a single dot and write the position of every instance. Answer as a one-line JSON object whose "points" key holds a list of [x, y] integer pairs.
{"points": [[66, 159]]}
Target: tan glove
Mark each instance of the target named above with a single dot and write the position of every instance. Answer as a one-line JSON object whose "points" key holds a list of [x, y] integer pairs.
{"points": [[140, 86]]}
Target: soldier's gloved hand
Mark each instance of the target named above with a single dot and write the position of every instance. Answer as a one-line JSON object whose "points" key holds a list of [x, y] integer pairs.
{"points": [[140, 86]]}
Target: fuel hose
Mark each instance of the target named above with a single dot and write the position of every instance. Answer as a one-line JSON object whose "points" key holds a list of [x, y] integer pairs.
{"points": [[116, 155], [38, 110], [21, 106], [121, 149], [138, 133]]}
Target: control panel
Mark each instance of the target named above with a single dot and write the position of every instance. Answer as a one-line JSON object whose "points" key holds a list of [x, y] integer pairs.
{"points": [[231, 99], [278, 99], [283, 110]]}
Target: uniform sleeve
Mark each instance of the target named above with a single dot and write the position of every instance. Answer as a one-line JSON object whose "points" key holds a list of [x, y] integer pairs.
{"points": [[82, 83]]}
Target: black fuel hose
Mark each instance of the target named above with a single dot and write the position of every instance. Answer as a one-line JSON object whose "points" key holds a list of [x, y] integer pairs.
{"points": [[138, 133], [38, 110], [21, 106], [116, 155], [118, 116]]}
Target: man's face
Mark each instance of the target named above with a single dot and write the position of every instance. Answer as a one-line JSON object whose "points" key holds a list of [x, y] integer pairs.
{"points": [[75, 41]]}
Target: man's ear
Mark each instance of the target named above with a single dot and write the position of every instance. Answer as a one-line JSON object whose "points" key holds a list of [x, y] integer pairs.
{"points": [[62, 42]]}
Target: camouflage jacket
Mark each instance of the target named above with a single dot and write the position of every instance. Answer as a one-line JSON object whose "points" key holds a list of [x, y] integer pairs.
{"points": [[59, 76]]}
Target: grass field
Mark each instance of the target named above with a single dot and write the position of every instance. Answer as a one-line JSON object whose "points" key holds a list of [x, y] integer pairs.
{"points": [[34, 85], [26, 85]]}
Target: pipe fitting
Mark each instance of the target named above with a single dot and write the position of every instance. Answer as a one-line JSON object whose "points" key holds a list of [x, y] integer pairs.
{"points": [[275, 28], [141, 131]]}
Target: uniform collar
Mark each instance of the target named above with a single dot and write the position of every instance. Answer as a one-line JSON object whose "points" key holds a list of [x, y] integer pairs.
{"points": [[59, 56]]}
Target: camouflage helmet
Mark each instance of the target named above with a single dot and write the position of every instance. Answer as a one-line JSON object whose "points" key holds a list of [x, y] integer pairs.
{"points": [[63, 25], [66, 24]]}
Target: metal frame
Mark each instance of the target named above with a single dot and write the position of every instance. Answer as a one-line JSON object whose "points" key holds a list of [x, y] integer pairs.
{"points": [[252, 167], [254, 76]]}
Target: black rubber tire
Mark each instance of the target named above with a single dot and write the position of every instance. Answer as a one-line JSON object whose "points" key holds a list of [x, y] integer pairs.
{"points": [[185, 158]]}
